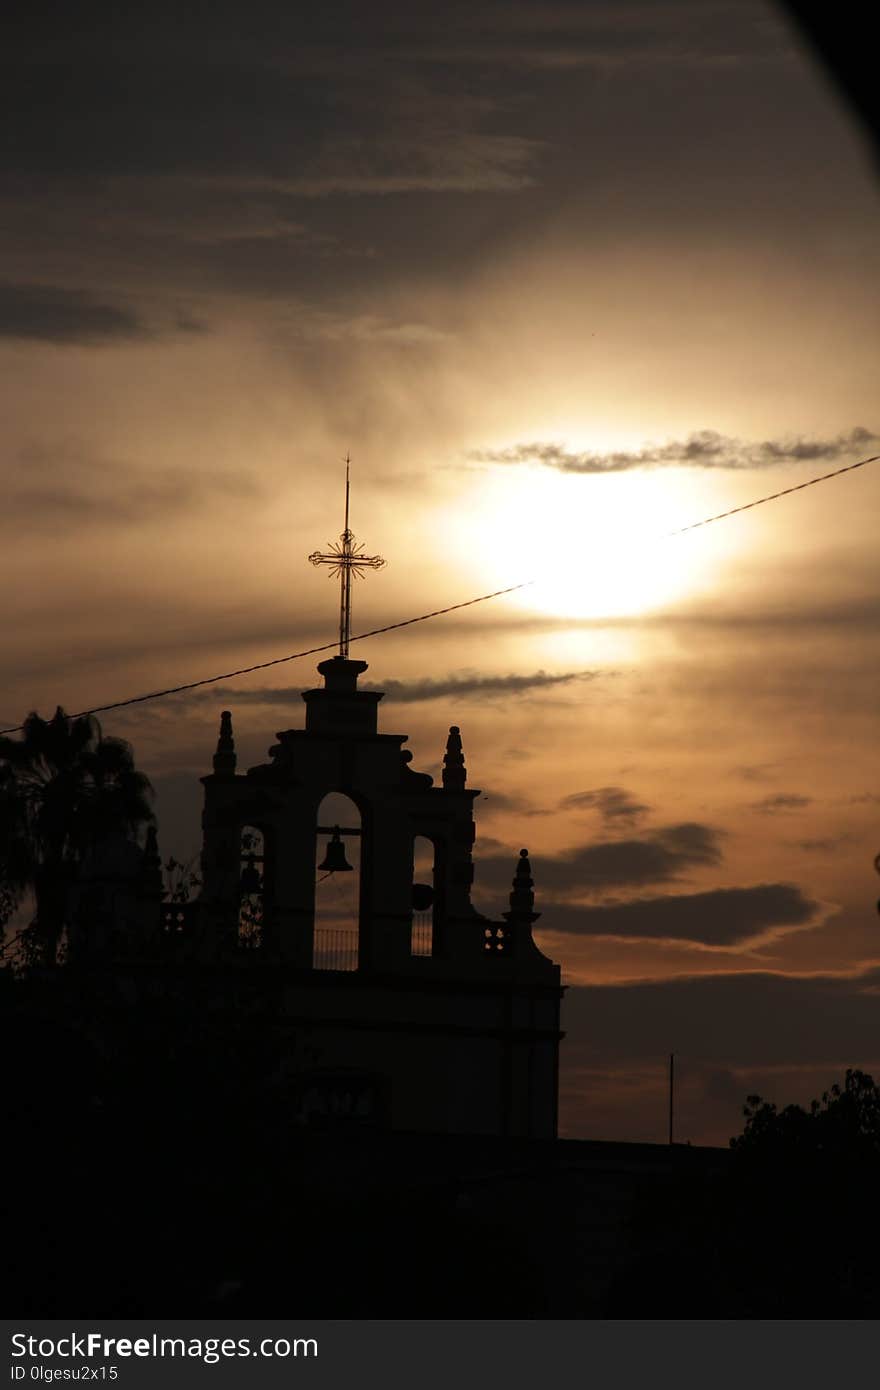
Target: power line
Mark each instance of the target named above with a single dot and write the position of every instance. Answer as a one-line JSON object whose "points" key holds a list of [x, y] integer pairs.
{"points": [[279, 660], [798, 487], [437, 612]]}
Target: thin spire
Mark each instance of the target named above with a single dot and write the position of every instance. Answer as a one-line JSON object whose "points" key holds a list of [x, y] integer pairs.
{"points": [[454, 771], [522, 897], [346, 558], [520, 916], [224, 758]]}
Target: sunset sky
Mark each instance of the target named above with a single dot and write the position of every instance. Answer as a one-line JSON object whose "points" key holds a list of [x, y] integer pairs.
{"points": [[563, 278]]}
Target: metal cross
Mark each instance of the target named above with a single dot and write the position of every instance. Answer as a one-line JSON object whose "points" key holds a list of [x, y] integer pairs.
{"points": [[347, 558]]}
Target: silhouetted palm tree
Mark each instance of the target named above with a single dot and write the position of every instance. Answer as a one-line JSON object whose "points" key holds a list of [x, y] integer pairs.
{"points": [[63, 788]]}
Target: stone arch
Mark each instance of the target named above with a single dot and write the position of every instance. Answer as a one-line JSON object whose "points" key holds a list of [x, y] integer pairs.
{"points": [[424, 877], [338, 891]]}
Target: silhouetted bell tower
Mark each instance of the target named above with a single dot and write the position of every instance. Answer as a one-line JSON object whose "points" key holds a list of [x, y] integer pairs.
{"points": [[433, 1017]]}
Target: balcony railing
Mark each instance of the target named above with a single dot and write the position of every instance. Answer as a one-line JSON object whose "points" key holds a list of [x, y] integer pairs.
{"points": [[336, 948], [422, 939]]}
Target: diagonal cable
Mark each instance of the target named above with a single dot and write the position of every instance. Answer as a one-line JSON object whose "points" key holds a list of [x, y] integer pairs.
{"points": [[438, 612]]}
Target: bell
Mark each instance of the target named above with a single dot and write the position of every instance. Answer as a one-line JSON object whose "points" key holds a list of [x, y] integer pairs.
{"points": [[422, 896], [335, 861], [251, 882]]}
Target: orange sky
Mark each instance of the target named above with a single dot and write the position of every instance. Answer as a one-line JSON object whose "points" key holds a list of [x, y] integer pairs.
{"points": [[519, 260]]}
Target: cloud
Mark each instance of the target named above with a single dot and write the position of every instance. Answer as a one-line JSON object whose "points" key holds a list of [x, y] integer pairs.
{"points": [[444, 161], [505, 801], [477, 687], [823, 846], [657, 857], [703, 449], [558, 37], [734, 1034], [729, 1019], [54, 314], [756, 772], [615, 805], [720, 917], [763, 614], [168, 495], [255, 124], [782, 801], [65, 484], [368, 328], [415, 692]]}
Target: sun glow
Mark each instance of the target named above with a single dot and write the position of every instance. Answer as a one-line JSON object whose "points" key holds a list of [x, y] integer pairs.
{"points": [[598, 546]]}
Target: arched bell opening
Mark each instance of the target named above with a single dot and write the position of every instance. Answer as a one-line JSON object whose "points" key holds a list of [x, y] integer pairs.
{"points": [[337, 884], [423, 896], [252, 887]]}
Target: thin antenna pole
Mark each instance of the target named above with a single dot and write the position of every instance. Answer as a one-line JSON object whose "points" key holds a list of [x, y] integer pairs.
{"points": [[345, 614], [671, 1095]]}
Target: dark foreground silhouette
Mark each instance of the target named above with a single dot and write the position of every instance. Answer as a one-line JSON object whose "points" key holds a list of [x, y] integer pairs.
{"points": [[174, 1176], [185, 1137]]}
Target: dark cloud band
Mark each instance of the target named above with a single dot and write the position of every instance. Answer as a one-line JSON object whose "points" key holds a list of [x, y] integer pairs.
{"points": [[657, 856], [416, 692], [615, 805], [53, 314], [781, 802], [721, 917], [703, 449], [745, 1019]]}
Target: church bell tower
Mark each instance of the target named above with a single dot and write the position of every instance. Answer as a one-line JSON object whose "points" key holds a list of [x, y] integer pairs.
{"points": [[430, 1016]]}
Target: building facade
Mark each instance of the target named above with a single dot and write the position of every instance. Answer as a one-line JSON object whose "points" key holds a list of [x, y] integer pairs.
{"points": [[421, 1015]]}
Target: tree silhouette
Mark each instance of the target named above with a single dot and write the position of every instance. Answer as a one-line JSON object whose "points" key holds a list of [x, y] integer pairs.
{"points": [[844, 1124], [63, 788], [804, 1217], [788, 1228]]}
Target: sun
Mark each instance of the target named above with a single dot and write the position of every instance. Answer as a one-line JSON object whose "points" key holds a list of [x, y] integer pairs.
{"points": [[596, 545]]}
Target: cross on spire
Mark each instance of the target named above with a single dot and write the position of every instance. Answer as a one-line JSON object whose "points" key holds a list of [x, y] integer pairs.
{"points": [[346, 558]]}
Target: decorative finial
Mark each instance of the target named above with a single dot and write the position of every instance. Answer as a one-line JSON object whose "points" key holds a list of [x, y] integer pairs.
{"points": [[522, 898], [346, 558], [224, 758], [454, 771]]}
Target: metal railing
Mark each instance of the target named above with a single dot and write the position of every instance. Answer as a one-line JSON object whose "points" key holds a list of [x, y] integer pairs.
{"points": [[336, 948], [422, 939]]}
